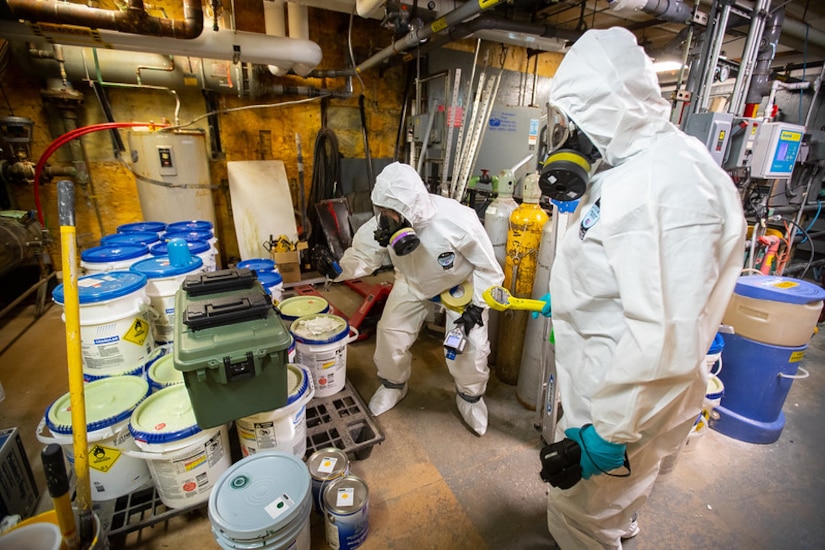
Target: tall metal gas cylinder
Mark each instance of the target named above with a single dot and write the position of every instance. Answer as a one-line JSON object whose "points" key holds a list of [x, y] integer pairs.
{"points": [[529, 376], [523, 242], [497, 224]]}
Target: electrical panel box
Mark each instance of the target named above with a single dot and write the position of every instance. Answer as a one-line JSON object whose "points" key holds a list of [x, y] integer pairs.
{"points": [[712, 129], [742, 139], [776, 149], [512, 133]]}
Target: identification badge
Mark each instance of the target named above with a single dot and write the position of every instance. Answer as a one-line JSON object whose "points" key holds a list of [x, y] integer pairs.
{"points": [[446, 259], [590, 219]]}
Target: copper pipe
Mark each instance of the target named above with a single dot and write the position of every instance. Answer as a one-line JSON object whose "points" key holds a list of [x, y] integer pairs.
{"points": [[133, 20]]}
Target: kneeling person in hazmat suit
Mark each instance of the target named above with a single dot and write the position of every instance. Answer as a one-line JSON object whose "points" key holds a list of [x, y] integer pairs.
{"points": [[639, 286], [435, 244]]}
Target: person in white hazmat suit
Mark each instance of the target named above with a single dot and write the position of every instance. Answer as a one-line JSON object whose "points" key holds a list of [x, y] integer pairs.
{"points": [[435, 244], [639, 287]]}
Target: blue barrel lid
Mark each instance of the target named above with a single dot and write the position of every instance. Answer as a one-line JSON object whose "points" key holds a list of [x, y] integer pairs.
{"points": [[161, 266], [779, 289], [189, 225], [113, 253], [155, 227], [195, 247], [131, 237], [257, 264], [188, 235], [269, 278], [101, 287], [718, 345]]}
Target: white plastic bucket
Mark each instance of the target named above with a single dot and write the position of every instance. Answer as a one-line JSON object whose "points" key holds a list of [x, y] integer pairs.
{"points": [[115, 330], [35, 536], [109, 405], [201, 249], [165, 275], [162, 373], [116, 257], [285, 428], [185, 461], [321, 344], [325, 465], [273, 284], [299, 306], [713, 359], [263, 501], [713, 397]]}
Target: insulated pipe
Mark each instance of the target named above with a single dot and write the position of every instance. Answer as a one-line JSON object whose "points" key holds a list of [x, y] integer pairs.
{"points": [[275, 25], [666, 10], [133, 20], [760, 84], [745, 73]]}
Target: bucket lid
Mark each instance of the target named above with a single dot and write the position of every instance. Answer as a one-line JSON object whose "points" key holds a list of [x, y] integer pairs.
{"points": [[257, 264], [716, 389], [189, 225], [297, 382], [108, 401], [328, 463], [163, 371], [299, 306], [101, 287], [188, 235], [164, 417], [161, 266], [718, 344], [259, 495], [195, 247], [155, 227], [131, 237], [113, 253], [269, 278], [323, 328], [779, 289], [345, 495]]}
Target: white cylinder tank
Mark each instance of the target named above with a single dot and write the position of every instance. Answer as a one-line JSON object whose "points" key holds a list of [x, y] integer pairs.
{"points": [[497, 215], [172, 173]]}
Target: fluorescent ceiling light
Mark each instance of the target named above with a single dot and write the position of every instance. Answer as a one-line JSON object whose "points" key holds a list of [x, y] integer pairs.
{"points": [[665, 66]]}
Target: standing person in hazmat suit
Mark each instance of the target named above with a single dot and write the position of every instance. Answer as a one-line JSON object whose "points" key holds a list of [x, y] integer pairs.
{"points": [[639, 285], [435, 244]]}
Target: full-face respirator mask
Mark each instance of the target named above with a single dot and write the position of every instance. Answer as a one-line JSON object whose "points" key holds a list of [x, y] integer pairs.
{"points": [[570, 160], [397, 233]]}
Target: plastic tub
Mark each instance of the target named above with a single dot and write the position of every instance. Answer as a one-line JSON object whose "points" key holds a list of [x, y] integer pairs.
{"points": [[185, 462], [321, 344], [115, 331], [300, 306], [162, 373], [118, 257], [285, 428], [109, 405], [273, 284]]}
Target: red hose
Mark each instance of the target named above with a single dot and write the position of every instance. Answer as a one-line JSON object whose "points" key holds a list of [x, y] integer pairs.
{"points": [[67, 137]]}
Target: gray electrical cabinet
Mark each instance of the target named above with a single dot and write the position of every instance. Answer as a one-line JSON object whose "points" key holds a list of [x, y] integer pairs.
{"points": [[712, 129]]}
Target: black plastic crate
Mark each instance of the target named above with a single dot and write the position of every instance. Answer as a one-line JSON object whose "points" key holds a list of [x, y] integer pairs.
{"points": [[342, 420]]}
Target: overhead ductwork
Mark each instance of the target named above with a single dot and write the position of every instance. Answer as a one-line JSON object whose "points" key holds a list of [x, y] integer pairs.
{"points": [[133, 19]]}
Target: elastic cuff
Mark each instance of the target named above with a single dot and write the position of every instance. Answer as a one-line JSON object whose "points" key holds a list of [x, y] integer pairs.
{"points": [[469, 398], [387, 384]]}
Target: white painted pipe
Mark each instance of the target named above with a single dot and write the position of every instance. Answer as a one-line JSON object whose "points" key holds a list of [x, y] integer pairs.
{"points": [[298, 21], [275, 25]]}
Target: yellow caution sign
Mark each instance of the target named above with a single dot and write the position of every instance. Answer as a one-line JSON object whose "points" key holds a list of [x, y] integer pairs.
{"points": [[138, 332], [103, 458]]}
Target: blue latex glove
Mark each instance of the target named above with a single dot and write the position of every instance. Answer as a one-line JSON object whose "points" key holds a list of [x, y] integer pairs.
{"points": [[547, 311], [598, 456]]}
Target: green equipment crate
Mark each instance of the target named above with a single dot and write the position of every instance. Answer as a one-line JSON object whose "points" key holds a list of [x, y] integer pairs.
{"points": [[231, 346], [18, 491]]}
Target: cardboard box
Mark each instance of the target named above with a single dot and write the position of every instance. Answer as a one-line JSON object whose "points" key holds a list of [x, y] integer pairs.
{"points": [[289, 263], [18, 491]]}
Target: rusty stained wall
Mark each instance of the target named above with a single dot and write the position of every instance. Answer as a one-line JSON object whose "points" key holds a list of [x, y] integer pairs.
{"points": [[109, 198]]}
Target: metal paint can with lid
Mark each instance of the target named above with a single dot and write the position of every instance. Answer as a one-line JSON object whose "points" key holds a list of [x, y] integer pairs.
{"points": [[346, 513], [325, 465]]}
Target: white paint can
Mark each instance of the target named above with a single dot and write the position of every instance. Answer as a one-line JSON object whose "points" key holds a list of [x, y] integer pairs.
{"points": [[325, 465]]}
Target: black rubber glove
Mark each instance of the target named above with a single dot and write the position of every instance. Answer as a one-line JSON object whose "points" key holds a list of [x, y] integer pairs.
{"points": [[470, 318], [324, 263]]}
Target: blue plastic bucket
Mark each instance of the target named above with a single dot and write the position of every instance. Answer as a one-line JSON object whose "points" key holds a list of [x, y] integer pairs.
{"points": [[757, 378], [273, 284], [257, 264], [154, 227], [116, 257], [147, 238]]}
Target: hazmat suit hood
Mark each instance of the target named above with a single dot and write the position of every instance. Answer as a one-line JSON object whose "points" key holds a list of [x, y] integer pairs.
{"points": [[400, 188], [607, 86]]}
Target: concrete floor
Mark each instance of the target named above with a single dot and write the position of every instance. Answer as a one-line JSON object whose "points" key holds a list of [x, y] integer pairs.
{"points": [[435, 485]]}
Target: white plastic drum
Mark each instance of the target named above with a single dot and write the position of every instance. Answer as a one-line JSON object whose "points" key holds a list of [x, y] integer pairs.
{"points": [[115, 330], [185, 461], [165, 275], [109, 405], [162, 373], [263, 501], [201, 249], [321, 344], [285, 428], [195, 229], [115, 257]]}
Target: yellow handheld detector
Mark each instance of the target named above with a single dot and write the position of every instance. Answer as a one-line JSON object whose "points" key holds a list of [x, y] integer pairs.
{"points": [[500, 299]]}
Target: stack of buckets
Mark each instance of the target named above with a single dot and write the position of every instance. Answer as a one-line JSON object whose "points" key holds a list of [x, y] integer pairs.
{"points": [[713, 394], [773, 319], [268, 275], [321, 344]]}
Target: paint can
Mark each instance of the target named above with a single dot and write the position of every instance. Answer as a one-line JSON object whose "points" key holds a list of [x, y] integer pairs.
{"points": [[263, 501], [346, 513], [324, 466], [116, 257], [115, 330], [321, 344], [285, 428], [185, 461], [110, 403], [298, 306]]}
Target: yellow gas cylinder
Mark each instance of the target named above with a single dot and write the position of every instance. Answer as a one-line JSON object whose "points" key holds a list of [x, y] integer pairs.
{"points": [[523, 242]]}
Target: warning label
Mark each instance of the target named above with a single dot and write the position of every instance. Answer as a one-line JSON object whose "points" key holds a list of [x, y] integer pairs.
{"points": [[103, 458], [138, 332]]}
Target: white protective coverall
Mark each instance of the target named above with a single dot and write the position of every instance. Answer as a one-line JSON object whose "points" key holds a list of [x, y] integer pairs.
{"points": [[638, 297], [454, 249]]}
